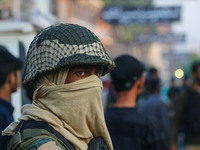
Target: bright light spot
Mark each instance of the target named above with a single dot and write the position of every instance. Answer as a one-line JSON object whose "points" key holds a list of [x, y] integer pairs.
{"points": [[179, 73]]}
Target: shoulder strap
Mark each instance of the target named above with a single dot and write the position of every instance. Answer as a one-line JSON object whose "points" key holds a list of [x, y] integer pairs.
{"points": [[41, 128]]}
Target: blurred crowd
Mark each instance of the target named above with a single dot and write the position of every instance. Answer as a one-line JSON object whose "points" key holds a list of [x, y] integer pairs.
{"points": [[177, 118]]}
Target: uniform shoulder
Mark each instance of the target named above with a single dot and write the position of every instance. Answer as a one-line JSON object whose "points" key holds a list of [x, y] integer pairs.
{"points": [[41, 143], [50, 144]]}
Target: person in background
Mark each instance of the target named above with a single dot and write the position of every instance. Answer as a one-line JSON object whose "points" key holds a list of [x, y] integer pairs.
{"points": [[129, 129], [64, 63], [186, 116], [10, 67], [153, 72], [173, 93], [155, 108], [185, 83], [145, 93]]}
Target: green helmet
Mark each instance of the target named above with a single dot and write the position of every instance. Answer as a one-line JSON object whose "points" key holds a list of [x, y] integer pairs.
{"points": [[64, 45]]}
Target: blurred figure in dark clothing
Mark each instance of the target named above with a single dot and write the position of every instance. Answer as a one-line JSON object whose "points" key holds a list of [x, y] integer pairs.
{"points": [[129, 129], [172, 93], [155, 108], [153, 72], [9, 82], [185, 83], [187, 114]]}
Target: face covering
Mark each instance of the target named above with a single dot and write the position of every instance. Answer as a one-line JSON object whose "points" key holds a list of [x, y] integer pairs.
{"points": [[75, 110]]}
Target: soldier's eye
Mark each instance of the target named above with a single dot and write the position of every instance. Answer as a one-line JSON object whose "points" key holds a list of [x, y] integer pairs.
{"points": [[81, 73]]}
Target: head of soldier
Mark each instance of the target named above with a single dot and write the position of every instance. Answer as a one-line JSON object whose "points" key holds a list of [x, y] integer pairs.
{"points": [[63, 54]]}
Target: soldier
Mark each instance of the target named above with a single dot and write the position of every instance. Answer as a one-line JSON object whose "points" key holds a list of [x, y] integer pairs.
{"points": [[64, 63]]}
